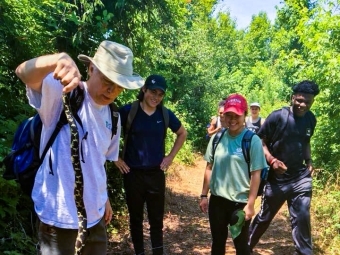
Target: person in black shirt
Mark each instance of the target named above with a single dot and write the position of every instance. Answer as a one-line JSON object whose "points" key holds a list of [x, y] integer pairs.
{"points": [[290, 175], [145, 161]]}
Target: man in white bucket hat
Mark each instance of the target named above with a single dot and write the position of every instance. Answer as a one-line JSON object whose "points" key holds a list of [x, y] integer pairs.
{"points": [[47, 78]]}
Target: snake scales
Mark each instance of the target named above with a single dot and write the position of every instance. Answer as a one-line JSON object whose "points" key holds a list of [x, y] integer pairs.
{"points": [[79, 182]]}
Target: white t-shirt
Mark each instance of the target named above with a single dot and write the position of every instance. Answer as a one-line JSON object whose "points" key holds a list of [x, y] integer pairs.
{"points": [[53, 191], [218, 121]]}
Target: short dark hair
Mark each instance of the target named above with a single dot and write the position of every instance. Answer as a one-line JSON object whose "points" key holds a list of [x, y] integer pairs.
{"points": [[306, 87]]}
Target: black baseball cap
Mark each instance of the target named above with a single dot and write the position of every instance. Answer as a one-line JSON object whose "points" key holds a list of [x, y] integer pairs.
{"points": [[155, 81]]}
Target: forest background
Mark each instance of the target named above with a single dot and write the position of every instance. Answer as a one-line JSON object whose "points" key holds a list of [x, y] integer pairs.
{"points": [[204, 57]]}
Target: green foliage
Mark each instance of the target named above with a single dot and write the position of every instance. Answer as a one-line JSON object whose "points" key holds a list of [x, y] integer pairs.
{"points": [[185, 155], [116, 192], [325, 208], [16, 229], [8, 201]]}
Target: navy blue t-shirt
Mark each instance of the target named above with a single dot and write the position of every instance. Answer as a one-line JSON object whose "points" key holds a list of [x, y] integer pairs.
{"points": [[145, 145], [291, 145]]}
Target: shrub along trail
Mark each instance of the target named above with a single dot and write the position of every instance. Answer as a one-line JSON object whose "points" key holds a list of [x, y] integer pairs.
{"points": [[186, 228]]}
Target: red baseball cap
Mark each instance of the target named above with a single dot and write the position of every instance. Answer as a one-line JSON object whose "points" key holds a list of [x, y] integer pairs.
{"points": [[236, 103]]}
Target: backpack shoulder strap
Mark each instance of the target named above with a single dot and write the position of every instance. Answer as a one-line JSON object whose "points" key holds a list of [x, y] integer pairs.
{"points": [[61, 122], [165, 117], [281, 124], [35, 124], [131, 116], [246, 143], [129, 120], [165, 113], [114, 118], [216, 140]]}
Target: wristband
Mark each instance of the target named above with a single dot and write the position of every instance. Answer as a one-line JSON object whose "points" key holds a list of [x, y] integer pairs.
{"points": [[204, 196], [272, 161]]}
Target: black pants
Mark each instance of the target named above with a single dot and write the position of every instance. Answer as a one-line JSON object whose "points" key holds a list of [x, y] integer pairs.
{"points": [[221, 214], [298, 195], [59, 241], [146, 186]]}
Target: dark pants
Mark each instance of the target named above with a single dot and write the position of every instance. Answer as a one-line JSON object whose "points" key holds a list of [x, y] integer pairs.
{"points": [[59, 241], [221, 214], [146, 186], [298, 196]]}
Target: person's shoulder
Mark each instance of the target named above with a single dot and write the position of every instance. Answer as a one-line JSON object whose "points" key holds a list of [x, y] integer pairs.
{"points": [[161, 107], [213, 119], [51, 82], [310, 115], [255, 138], [276, 113], [172, 115]]}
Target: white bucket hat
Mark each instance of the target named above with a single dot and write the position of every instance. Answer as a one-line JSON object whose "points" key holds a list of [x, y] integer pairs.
{"points": [[115, 62], [255, 104]]}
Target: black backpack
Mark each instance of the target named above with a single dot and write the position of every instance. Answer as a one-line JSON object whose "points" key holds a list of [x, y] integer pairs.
{"points": [[280, 127], [23, 162], [246, 143]]}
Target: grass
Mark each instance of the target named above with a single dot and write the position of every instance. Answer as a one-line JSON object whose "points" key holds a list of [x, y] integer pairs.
{"points": [[325, 212]]}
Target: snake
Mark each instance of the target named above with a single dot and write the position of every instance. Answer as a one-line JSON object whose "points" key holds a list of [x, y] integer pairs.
{"points": [[79, 180]]}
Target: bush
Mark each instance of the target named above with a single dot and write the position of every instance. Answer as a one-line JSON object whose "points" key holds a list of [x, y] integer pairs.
{"points": [[17, 228], [325, 211]]}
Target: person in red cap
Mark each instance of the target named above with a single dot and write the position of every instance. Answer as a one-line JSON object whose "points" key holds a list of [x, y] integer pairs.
{"points": [[227, 177]]}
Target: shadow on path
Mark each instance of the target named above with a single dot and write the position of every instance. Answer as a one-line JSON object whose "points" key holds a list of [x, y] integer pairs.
{"points": [[186, 228]]}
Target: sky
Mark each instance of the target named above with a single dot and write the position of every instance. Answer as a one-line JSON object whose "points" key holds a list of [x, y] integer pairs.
{"points": [[243, 10]]}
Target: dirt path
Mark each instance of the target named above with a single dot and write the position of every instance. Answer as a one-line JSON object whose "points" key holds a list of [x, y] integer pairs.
{"points": [[186, 229]]}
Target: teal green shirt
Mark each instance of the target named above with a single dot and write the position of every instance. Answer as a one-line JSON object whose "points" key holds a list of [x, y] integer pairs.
{"points": [[230, 177]]}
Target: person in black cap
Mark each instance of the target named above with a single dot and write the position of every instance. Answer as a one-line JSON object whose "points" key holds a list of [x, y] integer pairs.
{"points": [[144, 161]]}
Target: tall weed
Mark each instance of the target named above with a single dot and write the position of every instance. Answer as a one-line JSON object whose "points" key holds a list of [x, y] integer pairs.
{"points": [[326, 213]]}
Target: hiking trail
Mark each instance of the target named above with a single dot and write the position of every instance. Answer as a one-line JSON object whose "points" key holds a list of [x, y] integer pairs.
{"points": [[186, 228]]}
